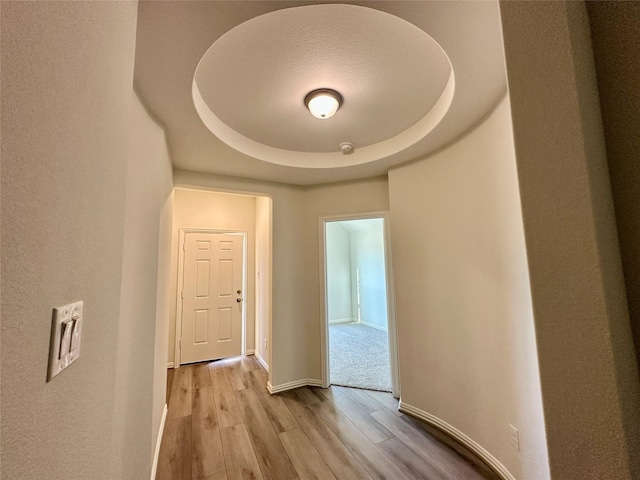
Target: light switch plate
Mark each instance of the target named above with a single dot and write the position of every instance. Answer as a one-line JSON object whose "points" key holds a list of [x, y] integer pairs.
{"points": [[65, 349]]}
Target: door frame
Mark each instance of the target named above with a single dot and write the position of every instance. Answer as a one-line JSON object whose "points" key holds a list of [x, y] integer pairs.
{"points": [[391, 304], [181, 254]]}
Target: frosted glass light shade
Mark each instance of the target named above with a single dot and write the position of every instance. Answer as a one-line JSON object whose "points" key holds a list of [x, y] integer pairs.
{"points": [[323, 103]]}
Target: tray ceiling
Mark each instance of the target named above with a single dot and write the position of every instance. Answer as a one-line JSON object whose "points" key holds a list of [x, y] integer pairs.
{"points": [[228, 79]]}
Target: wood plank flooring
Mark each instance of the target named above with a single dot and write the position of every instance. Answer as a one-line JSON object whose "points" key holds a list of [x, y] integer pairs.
{"points": [[222, 424]]}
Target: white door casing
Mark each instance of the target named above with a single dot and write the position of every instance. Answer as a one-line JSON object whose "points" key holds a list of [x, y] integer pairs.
{"points": [[212, 296], [391, 309]]}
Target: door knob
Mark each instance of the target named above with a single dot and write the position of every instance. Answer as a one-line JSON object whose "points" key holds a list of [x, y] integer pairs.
{"points": [[238, 300]]}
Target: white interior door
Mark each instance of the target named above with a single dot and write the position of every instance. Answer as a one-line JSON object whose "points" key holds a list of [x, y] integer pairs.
{"points": [[212, 296]]}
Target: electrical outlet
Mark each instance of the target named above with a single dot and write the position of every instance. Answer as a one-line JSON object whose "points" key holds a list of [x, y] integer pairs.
{"points": [[265, 343], [514, 437]]}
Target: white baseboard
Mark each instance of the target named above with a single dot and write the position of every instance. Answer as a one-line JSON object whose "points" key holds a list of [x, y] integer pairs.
{"points": [[171, 365], [456, 434], [250, 351], [373, 325], [156, 455], [261, 361], [343, 320], [305, 382]]}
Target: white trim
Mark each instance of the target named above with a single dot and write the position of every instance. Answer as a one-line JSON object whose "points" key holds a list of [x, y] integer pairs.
{"points": [[456, 434], [392, 325], [373, 325], [343, 320], [250, 351], [171, 365], [305, 382], [156, 455], [391, 305], [261, 361], [179, 300], [324, 330]]}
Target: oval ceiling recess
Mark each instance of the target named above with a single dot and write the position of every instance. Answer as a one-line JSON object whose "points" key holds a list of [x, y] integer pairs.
{"points": [[395, 81]]}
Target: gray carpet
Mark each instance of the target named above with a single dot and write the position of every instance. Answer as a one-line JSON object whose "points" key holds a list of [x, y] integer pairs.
{"points": [[359, 356]]}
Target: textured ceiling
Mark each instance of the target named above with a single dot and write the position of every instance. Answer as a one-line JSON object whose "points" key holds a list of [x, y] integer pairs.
{"points": [[252, 83], [392, 61]]}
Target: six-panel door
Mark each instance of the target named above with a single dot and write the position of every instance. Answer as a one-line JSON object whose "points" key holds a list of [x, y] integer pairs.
{"points": [[212, 296]]}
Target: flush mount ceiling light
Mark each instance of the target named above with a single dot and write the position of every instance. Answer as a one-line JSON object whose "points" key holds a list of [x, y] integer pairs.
{"points": [[323, 103]]}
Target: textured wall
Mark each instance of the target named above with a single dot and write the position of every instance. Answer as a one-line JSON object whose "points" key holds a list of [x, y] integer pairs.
{"points": [[338, 258], [464, 318], [371, 195], [589, 376], [140, 376], [263, 277], [367, 247], [163, 313], [67, 70], [615, 28]]}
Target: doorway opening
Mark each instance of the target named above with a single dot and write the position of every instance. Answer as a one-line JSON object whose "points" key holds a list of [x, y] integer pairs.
{"points": [[359, 329], [220, 270]]}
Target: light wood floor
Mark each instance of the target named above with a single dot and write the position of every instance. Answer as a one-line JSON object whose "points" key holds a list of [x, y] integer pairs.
{"points": [[222, 424]]}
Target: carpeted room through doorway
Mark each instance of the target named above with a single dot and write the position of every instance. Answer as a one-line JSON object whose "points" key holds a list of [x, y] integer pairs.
{"points": [[359, 356]]}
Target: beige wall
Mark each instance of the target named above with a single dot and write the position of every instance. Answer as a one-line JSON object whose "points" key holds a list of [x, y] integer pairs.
{"points": [[615, 28], [371, 195], [338, 271], [66, 103], [140, 375], [464, 318], [215, 211], [163, 313], [263, 278], [368, 258], [589, 376], [295, 329]]}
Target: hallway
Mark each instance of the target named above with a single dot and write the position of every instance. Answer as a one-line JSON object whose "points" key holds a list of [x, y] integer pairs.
{"points": [[515, 229], [223, 424]]}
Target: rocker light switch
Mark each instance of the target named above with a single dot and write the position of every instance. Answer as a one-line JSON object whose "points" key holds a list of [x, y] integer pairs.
{"points": [[66, 330], [75, 335], [65, 340]]}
